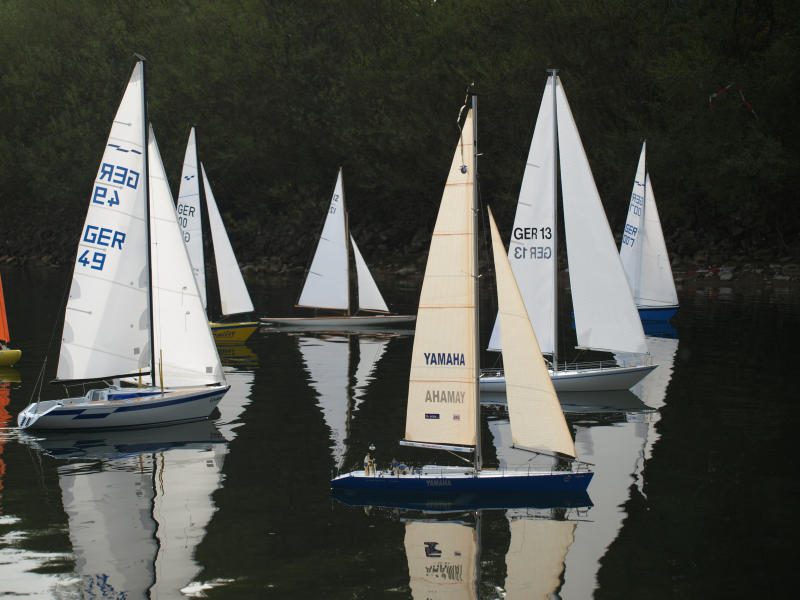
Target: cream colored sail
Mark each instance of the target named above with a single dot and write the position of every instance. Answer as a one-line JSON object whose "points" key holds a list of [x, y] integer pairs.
{"points": [[441, 560], [532, 249], [605, 315], [535, 558], [441, 389], [189, 215], [537, 420], [643, 251], [233, 293], [107, 324], [184, 346], [327, 281]]}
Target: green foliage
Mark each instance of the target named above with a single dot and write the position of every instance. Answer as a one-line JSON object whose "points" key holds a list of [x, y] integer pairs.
{"points": [[283, 93]]}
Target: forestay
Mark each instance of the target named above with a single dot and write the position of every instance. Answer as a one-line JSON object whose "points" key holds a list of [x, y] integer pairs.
{"points": [[369, 297], [106, 324], [326, 284], [183, 342], [643, 252], [605, 315], [442, 386], [532, 247], [232, 289], [537, 420], [189, 215]]}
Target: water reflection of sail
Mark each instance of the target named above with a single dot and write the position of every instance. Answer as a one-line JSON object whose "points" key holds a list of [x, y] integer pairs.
{"points": [[536, 554], [442, 559], [327, 359], [370, 351]]}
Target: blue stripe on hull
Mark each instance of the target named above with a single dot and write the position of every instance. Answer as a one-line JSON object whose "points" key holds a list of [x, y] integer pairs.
{"points": [[566, 482], [657, 314]]}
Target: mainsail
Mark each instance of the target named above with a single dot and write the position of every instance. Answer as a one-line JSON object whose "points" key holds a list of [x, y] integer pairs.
{"points": [[643, 251], [327, 282], [5, 336], [442, 393], [107, 324], [189, 215]]}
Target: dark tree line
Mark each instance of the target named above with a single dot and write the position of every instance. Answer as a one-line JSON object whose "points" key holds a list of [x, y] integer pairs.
{"points": [[283, 93]]}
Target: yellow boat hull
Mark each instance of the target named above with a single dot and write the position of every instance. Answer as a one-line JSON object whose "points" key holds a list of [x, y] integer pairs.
{"points": [[232, 333], [9, 357]]}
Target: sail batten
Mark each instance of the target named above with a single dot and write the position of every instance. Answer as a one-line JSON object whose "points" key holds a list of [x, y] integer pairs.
{"points": [[442, 394]]}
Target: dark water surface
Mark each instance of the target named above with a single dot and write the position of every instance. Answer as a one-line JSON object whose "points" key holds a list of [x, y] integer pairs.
{"points": [[694, 491]]}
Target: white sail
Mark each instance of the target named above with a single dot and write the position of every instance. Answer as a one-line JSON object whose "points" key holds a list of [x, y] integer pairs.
{"points": [[107, 325], [643, 251], [232, 289], [537, 420], [184, 346], [110, 528], [369, 297], [370, 351], [531, 250], [442, 559], [605, 315], [327, 282], [441, 388], [189, 215], [535, 558], [327, 361]]}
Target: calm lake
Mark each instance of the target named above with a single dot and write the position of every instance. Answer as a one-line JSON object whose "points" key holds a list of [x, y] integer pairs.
{"points": [[693, 494]]}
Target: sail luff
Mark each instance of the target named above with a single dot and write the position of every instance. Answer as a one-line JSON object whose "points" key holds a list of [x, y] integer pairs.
{"points": [[233, 293], [327, 280], [190, 213], [537, 420], [106, 328], [442, 393], [605, 314]]}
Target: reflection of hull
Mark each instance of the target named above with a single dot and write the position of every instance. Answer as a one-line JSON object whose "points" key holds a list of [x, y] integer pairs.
{"points": [[581, 380], [447, 480], [446, 502], [9, 357], [9, 374], [232, 333], [112, 444], [123, 408], [581, 402], [338, 323], [657, 313], [238, 355]]}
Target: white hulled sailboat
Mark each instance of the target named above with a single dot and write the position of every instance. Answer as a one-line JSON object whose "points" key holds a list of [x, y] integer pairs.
{"points": [[605, 315], [643, 251], [233, 294], [327, 284], [443, 410], [134, 306]]}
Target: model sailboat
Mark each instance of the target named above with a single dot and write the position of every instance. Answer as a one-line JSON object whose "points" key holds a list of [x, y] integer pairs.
{"points": [[605, 315], [234, 298], [8, 356], [327, 284], [644, 254], [134, 307], [443, 409]]}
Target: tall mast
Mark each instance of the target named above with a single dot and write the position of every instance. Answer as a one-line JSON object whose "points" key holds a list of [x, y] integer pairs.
{"points": [[554, 74], [201, 197], [475, 279], [641, 227], [346, 240], [146, 124]]}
